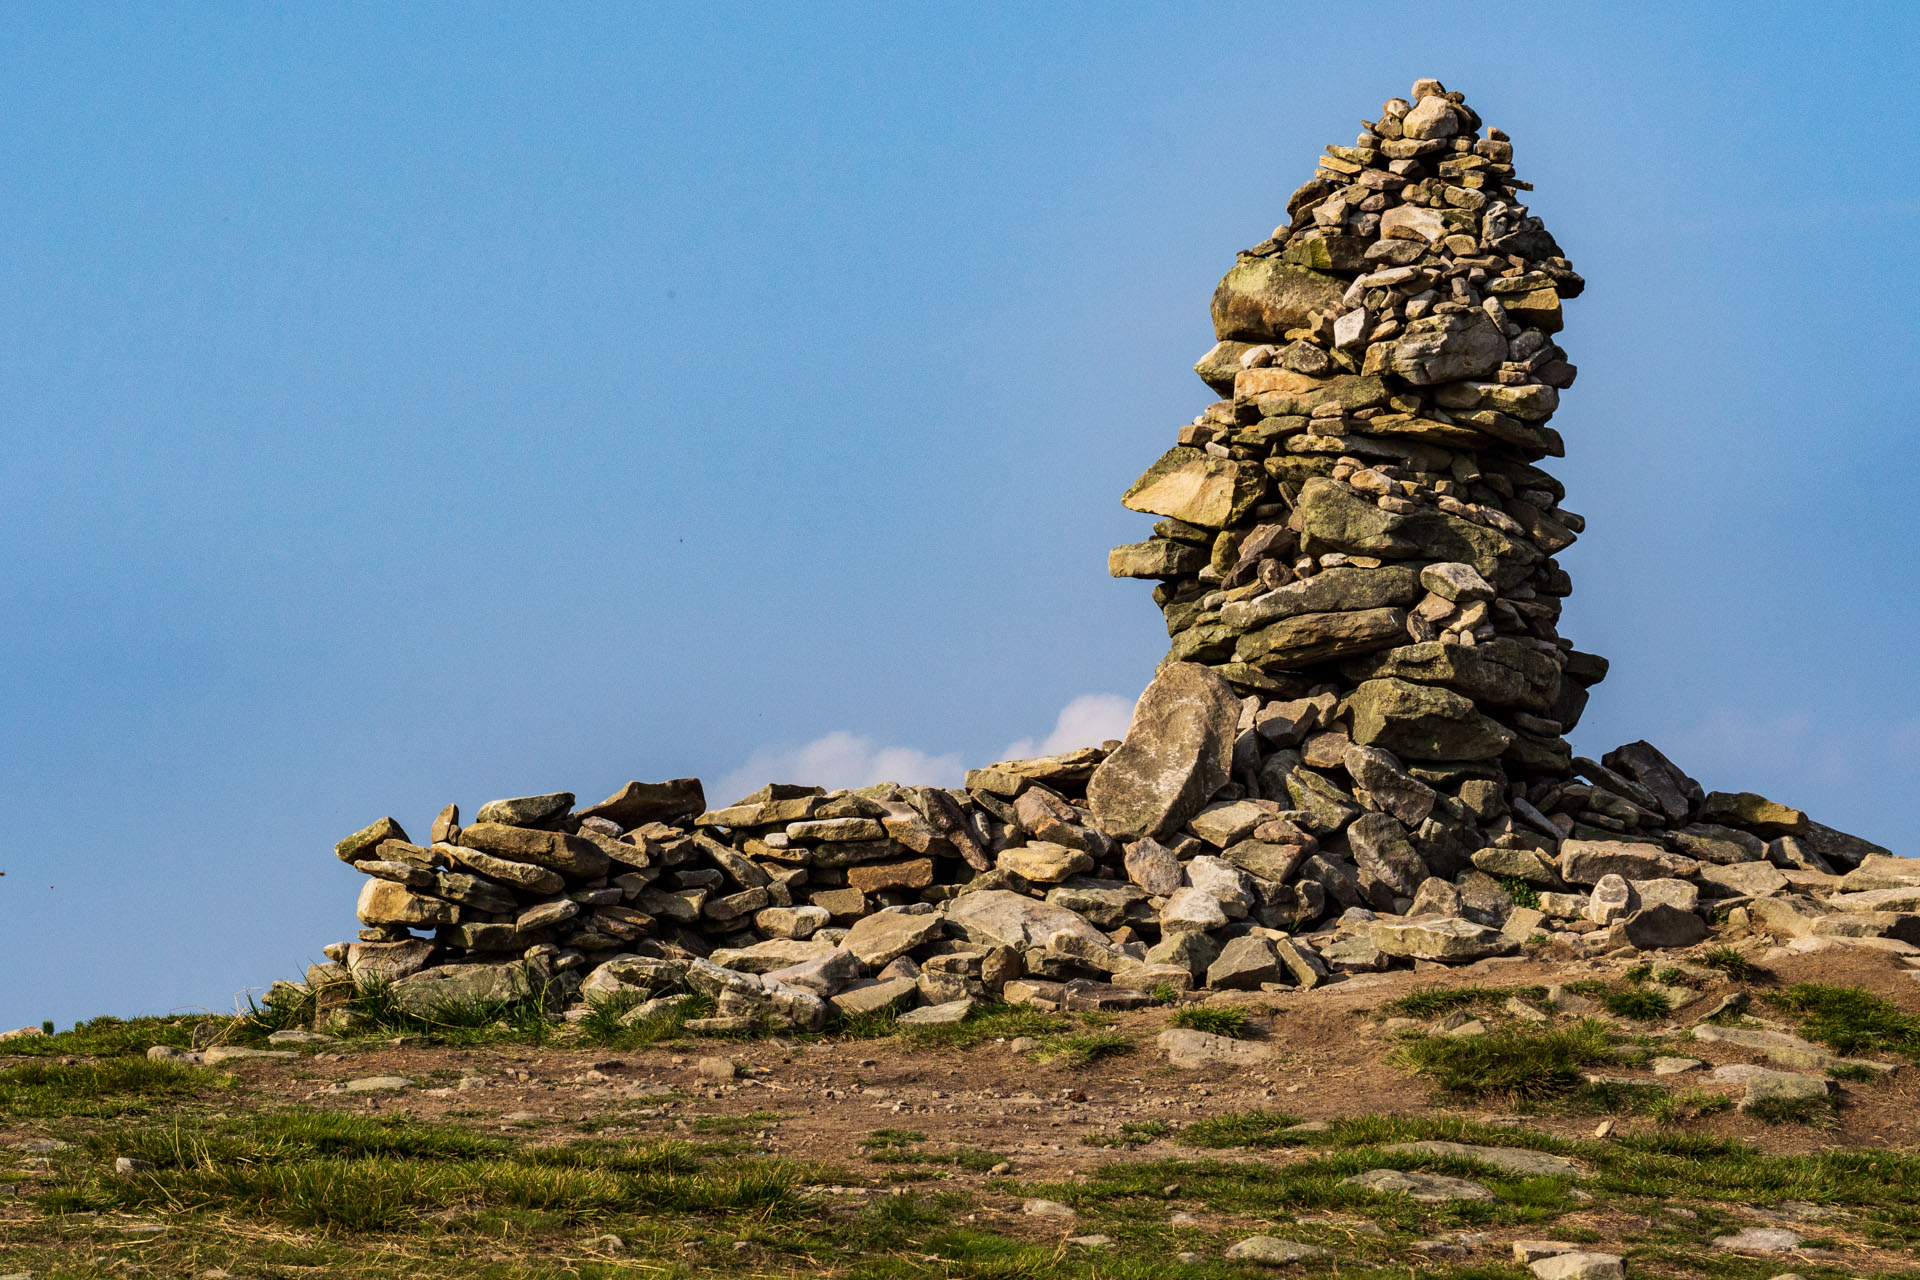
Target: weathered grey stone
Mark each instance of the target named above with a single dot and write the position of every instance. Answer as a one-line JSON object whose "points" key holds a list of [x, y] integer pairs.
{"points": [[1192, 910], [632, 975], [1043, 863], [638, 803], [1447, 348], [1519, 1160], [1156, 558], [1189, 1050], [1243, 965], [388, 960], [1760, 1240], [1106, 904], [1585, 861], [1657, 927], [362, 844], [774, 953], [1500, 672], [554, 850], [1380, 783], [877, 939], [1259, 299], [1272, 1251], [1750, 812], [872, 996], [1611, 900], [384, 902], [1334, 518], [1524, 865], [1321, 637], [996, 917], [1580, 1265], [527, 811], [521, 875], [1267, 860], [939, 1015], [1153, 867], [823, 974], [1384, 855], [1420, 722], [1177, 753], [1451, 941], [1194, 486], [1428, 1188], [1334, 591], [430, 990]]}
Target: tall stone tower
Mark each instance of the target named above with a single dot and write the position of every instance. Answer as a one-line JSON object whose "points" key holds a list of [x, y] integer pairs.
{"points": [[1358, 532]]}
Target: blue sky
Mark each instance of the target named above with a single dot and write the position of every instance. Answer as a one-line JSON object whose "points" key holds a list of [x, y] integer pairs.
{"points": [[404, 405]]}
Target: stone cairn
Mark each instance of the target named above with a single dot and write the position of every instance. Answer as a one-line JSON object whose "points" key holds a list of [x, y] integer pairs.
{"points": [[1353, 757]]}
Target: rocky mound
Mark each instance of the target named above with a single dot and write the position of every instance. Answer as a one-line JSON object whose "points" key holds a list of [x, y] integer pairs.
{"points": [[1353, 758]]}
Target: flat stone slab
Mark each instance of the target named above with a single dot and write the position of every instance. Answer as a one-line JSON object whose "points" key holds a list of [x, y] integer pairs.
{"points": [[1760, 1240], [1273, 1251], [1428, 1188], [232, 1053], [1190, 1050], [1580, 1266], [938, 1015], [1521, 1160], [1787, 1050], [375, 1084]]}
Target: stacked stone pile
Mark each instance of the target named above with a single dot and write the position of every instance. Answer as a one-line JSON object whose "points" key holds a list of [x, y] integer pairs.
{"points": [[1354, 756]]}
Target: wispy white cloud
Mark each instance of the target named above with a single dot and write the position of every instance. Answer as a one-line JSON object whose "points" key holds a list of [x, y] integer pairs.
{"points": [[846, 759], [1087, 721], [839, 759]]}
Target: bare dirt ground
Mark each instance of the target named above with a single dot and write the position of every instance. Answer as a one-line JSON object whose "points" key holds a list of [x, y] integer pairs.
{"points": [[991, 1122]]}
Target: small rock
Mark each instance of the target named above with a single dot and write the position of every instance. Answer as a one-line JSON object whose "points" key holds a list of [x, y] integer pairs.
{"points": [[1580, 1266], [1047, 1209], [126, 1167], [716, 1068], [1674, 1066], [939, 1015], [1090, 1242], [375, 1084], [1534, 1250]]}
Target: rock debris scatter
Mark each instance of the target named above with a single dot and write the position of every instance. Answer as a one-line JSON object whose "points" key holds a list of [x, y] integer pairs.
{"points": [[1353, 758]]}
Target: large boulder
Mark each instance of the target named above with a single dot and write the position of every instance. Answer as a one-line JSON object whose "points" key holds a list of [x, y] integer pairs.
{"points": [[1259, 299], [1177, 753], [448, 985], [1335, 518], [1501, 672], [1421, 722], [1586, 861], [1450, 941]]}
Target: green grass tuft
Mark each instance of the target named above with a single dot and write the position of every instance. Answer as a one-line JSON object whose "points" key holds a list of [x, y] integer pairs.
{"points": [[1082, 1048], [1214, 1021], [1431, 1002], [1637, 1003], [1850, 1020], [1516, 1062], [1242, 1129], [100, 1087], [1731, 961]]}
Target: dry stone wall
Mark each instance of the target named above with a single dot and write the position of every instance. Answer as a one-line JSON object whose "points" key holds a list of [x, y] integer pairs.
{"points": [[1354, 756]]}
